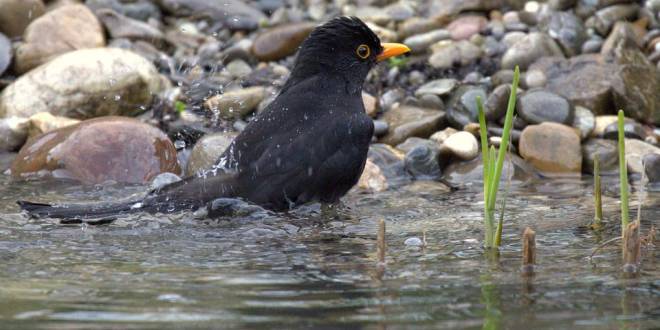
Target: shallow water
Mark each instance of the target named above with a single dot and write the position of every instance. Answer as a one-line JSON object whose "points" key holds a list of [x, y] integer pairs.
{"points": [[309, 270]]}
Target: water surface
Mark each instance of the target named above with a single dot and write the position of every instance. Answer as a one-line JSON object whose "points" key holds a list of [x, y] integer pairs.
{"points": [[306, 269]]}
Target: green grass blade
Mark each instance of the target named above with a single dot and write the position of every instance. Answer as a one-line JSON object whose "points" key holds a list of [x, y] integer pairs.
{"points": [[623, 175], [508, 124], [483, 132]]}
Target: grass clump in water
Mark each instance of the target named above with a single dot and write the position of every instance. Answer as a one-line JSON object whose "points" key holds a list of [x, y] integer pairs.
{"points": [[492, 166]]}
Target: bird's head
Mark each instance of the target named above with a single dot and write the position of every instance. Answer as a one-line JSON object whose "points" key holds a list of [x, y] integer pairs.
{"points": [[343, 47]]}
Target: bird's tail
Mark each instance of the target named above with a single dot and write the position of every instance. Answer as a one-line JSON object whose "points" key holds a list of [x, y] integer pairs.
{"points": [[189, 193], [78, 211]]}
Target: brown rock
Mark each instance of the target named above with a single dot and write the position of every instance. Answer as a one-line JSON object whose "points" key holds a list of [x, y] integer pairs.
{"points": [[281, 41], [62, 30], [408, 121], [16, 15], [552, 148], [97, 150]]}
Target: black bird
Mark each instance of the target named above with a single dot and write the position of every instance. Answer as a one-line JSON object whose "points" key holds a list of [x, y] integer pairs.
{"points": [[309, 144]]}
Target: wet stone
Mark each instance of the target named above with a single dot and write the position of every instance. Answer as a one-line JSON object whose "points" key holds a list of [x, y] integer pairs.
{"points": [[552, 148], [119, 149], [422, 163], [538, 106], [413, 142], [407, 121], [236, 104], [83, 84], [497, 102], [281, 41], [584, 121], [163, 179], [631, 129], [607, 153], [390, 163], [652, 167], [636, 151], [231, 207], [207, 150], [463, 105], [470, 172]]}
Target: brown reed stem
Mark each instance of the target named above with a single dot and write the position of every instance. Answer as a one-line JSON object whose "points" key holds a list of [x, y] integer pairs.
{"points": [[529, 252], [381, 241], [632, 255]]}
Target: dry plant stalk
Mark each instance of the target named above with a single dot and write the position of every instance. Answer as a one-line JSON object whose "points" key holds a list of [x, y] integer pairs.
{"points": [[632, 255], [381, 241], [529, 251]]}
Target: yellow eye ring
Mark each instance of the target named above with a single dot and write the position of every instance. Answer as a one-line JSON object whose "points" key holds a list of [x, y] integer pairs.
{"points": [[363, 51]]}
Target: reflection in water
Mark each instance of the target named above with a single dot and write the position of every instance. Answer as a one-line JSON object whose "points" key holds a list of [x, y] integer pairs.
{"points": [[307, 270]]}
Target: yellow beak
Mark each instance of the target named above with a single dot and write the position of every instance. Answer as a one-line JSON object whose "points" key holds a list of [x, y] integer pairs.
{"points": [[392, 49]]}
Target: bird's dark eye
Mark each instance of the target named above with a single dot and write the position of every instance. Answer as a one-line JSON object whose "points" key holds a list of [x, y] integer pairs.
{"points": [[363, 51]]}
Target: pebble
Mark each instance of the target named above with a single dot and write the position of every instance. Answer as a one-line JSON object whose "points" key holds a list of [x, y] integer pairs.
{"points": [[16, 15], [463, 105], [413, 241], [528, 49], [406, 121], [420, 43], [281, 41], [236, 104], [438, 87], [538, 106], [462, 145], [62, 30], [13, 133], [464, 27], [584, 121], [447, 53]]}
